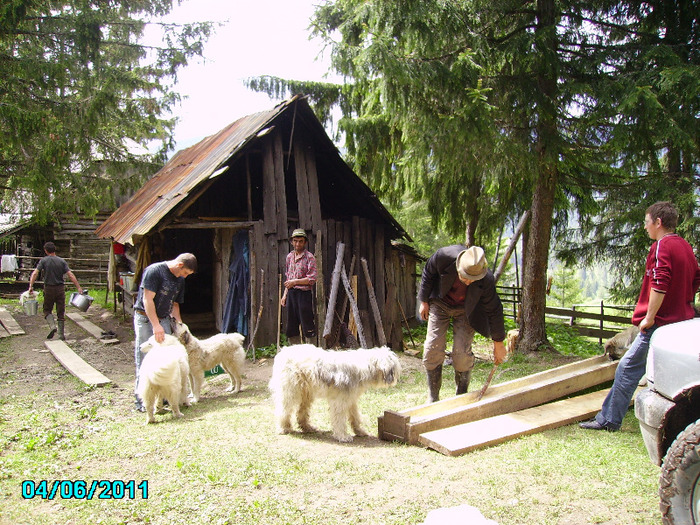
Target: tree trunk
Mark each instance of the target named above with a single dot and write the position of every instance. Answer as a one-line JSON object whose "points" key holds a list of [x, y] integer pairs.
{"points": [[533, 334]]}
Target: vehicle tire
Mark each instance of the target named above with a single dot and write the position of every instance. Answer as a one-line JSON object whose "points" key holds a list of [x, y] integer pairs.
{"points": [[679, 488]]}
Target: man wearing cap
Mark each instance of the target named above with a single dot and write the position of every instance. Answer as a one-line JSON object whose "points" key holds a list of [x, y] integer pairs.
{"points": [[457, 285], [297, 297]]}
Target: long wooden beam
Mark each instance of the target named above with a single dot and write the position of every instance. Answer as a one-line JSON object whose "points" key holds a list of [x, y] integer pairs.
{"points": [[518, 394], [460, 439]]}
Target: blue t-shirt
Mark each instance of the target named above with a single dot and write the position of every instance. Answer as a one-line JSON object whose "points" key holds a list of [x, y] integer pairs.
{"points": [[168, 289]]}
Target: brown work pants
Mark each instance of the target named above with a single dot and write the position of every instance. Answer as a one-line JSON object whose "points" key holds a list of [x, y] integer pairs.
{"points": [[55, 294]]}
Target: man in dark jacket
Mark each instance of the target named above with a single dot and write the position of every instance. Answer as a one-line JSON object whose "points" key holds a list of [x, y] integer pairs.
{"points": [[457, 285]]}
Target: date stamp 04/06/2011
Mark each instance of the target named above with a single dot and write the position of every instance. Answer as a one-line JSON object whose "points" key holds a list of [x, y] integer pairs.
{"points": [[81, 489]]}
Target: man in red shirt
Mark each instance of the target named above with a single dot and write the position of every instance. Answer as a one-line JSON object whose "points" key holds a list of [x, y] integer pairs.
{"points": [[301, 275], [668, 290]]}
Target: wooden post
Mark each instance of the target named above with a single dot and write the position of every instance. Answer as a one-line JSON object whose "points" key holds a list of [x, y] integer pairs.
{"points": [[373, 304], [320, 289], [279, 310], [353, 305], [511, 245], [340, 248]]}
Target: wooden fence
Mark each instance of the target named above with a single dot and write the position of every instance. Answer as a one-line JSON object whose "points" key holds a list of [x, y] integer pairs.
{"points": [[597, 321], [90, 272]]}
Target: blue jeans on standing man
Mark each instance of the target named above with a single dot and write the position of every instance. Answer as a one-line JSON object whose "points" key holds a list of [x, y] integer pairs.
{"points": [[629, 372]]}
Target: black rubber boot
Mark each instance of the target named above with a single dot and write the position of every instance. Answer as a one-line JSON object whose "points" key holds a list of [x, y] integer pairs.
{"points": [[52, 325], [434, 384], [462, 380], [61, 332]]}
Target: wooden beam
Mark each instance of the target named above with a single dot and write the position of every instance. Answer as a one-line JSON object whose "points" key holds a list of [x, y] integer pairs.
{"points": [[506, 397], [335, 280], [75, 364], [461, 439], [90, 327], [12, 327], [373, 303]]}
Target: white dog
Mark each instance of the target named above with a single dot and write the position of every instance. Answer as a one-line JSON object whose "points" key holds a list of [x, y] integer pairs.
{"points": [[204, 354], [163, 375], [304, 372]]}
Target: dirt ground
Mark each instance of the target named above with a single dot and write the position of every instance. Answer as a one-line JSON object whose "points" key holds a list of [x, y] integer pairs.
{"points": [[32, 368]]}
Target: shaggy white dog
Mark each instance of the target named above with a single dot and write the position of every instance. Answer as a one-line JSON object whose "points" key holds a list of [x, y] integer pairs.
{"points": [[301, 373], [163, 375], [204, 354]]}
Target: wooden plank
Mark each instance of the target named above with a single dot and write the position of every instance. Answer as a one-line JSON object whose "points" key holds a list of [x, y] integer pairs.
{"points": [[3, 333], [270, 193], [506, 397], [75, 364], [302, 184], [12, 327], [90, 328], [280, 186], [461, 439]]}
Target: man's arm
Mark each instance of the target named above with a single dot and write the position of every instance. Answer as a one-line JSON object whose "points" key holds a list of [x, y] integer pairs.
{"points": [[176, 312], [73, 278], [150, 308], [655, 300], [32, 279]]}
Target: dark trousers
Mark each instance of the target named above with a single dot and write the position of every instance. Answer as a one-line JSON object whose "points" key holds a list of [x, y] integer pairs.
{"points": [[300, 310], [55, 294]]}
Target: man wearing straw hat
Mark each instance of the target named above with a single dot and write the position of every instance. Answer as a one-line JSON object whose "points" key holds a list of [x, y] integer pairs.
{"points": [[301, 275], [457, 285]]}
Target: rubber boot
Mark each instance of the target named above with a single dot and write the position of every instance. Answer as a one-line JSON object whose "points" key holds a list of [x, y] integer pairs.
{"points": [[294, 340], [434, 383], [462, 379], [52, 326], [61, 328]]}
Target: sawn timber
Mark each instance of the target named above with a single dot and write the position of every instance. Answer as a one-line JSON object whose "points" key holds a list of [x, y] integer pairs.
{"points": [[408, 425]]}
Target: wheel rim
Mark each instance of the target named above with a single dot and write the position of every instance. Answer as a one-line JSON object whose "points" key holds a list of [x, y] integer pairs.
{"points": [[695, 501]]}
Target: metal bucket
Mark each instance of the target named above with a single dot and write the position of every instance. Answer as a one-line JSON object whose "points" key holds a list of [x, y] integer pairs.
{"points": [[31, 307], [81, 301]]}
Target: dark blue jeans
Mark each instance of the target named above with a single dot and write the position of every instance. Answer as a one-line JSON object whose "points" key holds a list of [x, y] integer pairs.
{"points": [[630, 370]]}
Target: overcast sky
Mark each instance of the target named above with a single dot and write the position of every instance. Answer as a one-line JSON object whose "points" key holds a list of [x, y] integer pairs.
{"points": [[260, 37]]}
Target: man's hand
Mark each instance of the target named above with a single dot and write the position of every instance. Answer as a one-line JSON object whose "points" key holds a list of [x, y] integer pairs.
{"points": [[499, 352], [424, 310], [159, 333]]}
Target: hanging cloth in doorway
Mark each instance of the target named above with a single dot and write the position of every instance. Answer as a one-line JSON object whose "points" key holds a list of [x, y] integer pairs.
{"points": [[236, 307]]}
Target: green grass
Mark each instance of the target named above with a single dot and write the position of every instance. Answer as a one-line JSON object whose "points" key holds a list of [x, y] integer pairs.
{"points": [[224, 464]]}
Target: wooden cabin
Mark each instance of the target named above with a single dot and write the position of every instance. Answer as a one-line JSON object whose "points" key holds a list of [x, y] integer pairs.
{"points": [[233, 200]]}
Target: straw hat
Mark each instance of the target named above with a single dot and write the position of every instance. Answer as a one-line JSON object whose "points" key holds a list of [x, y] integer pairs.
{"points": [[471, 263]]}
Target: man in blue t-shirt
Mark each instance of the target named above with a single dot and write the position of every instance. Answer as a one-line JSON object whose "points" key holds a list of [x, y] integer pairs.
{"points": [[161, 291]]}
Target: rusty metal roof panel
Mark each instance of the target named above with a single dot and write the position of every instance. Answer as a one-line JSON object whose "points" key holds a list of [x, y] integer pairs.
{"points": [[181, 175]]}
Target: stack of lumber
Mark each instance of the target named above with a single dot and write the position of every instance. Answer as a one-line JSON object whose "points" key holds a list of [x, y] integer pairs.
{"points": [[519, 407]]}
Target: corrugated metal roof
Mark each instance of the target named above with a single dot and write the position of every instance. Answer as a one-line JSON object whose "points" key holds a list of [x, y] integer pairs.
{"points": [[182, 174], [187, 170]]}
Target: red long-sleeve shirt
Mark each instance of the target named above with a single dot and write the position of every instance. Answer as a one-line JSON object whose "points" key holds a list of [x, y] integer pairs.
{"points": [[673, 270]]}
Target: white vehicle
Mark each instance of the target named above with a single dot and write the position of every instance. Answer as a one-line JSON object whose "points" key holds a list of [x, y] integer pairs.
{"points": [[669, 417]]}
